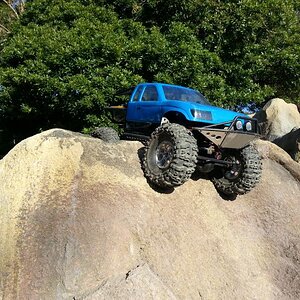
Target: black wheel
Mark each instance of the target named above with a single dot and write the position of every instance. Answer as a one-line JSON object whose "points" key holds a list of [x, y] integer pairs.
{"points": [[243, 176], [171, 156], [106, 134]]}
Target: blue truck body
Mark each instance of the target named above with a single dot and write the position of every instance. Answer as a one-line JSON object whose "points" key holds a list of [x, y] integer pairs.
{"points": [[152, 104], [140, 109]]}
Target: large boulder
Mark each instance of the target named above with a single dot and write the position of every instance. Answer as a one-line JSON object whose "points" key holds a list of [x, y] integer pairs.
{"points": [[278, 118], [79, 221], [280, 123], [290, 142]]}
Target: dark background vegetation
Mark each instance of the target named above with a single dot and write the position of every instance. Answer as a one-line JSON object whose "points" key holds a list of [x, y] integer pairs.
{"points": [[62, 61]]}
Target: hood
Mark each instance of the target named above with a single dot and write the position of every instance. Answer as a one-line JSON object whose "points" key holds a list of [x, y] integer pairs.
{"points": [[219, 115]]}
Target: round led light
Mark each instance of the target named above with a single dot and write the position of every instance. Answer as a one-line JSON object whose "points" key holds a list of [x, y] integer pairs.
{"points": [[248, 126], [239, 125]]}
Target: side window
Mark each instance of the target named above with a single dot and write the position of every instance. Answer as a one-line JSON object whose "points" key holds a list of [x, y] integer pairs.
{"points": [[138, 93], [150, 94]]}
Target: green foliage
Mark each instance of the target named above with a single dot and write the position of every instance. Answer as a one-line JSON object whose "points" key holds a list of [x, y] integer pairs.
{"points": [[63, 74], [64, 60], [257, 42]]}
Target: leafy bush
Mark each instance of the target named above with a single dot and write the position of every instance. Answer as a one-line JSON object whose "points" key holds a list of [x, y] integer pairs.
{"points": [[64, 60]]}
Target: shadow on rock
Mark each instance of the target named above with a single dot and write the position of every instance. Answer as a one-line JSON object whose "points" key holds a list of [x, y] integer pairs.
{"points": [[199, 175], [227, 197], [207, 176], [161, 190], [141, 154]]}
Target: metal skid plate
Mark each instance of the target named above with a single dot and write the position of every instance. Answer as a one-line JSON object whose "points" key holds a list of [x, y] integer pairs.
{"points": [[216, 136], [228, 138]]}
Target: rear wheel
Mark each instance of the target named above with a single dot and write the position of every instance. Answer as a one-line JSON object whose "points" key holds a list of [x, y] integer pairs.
{"points": [[170, 156], [243, 176], [106, 134]]}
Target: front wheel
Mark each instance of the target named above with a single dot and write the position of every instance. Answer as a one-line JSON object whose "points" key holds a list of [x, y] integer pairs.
{"points": [[170, 156], [243, 176]]}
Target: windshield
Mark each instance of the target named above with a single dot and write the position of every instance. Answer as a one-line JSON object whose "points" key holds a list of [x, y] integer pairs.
{"points": [[184, 94]]}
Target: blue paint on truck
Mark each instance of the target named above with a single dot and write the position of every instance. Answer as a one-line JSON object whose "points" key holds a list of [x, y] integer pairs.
{"points": [[150, 102]]}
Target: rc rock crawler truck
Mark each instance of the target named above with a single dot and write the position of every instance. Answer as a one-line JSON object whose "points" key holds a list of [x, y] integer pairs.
{"points": [[184, 132]]}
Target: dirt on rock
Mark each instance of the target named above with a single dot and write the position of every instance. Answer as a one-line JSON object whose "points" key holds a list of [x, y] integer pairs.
{"points": [[79, 221]]}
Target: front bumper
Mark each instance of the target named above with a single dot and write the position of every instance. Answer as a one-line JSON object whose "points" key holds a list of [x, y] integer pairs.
{"points": [[229, 137]]}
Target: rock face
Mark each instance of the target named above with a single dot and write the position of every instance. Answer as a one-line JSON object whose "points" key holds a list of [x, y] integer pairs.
{"points": [[280, 123], [290, 142], [278, 118], [79, 221]]}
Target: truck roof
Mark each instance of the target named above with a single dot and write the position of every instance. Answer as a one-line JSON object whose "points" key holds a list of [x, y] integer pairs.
{"points": [[165, 84], [130, 90]]}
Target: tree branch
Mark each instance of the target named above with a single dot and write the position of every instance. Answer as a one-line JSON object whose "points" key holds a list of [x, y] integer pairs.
{"points": [[3, 27], [14, 11]]}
